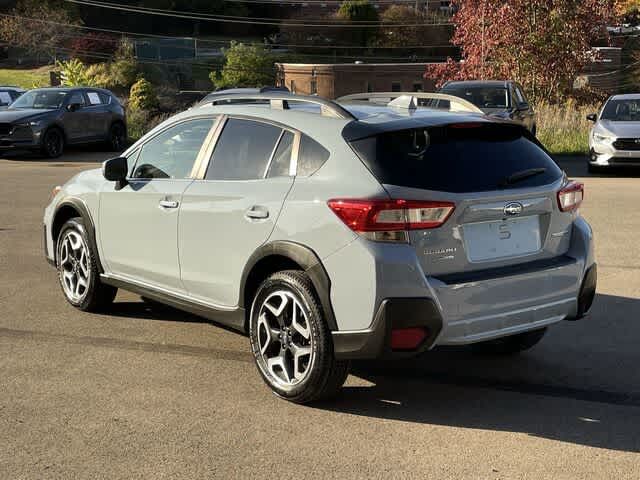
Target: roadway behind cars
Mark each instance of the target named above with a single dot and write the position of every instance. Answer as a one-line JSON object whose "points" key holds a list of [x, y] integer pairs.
{"points": [[150, 392]]}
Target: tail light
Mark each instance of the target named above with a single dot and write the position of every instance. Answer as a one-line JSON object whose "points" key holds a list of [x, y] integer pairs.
{"points": [[390, 220], [571, 196]]}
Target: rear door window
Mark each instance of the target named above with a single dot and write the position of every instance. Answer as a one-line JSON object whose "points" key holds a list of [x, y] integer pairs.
{"points": [[457, 159], [243, 150], [94, 98]]}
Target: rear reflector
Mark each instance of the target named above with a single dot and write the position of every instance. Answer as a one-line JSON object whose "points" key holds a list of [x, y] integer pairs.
{"points": [[571, 196], [407, 338], [381, 218]]}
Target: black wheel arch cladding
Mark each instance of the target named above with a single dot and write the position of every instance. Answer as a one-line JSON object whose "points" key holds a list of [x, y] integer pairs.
{"points": [[290, 253], [73, 207]]}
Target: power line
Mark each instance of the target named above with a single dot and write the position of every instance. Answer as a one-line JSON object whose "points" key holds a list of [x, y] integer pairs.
{"points": [[213, 41], [246, 20]]}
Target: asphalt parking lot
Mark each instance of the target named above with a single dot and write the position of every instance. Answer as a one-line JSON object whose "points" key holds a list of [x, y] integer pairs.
{"points": [[150, 392]]}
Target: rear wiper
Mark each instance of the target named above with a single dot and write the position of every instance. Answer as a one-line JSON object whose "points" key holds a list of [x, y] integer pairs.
{"points": [[523, 175]]}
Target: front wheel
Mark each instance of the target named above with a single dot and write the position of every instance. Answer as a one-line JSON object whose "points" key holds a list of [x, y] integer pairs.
{"points": [[52, 143], [512, 344], [78, 269], [291, 342]]}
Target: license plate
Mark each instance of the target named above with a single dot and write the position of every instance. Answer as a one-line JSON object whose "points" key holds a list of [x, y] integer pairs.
{"points": [[502, 238]]}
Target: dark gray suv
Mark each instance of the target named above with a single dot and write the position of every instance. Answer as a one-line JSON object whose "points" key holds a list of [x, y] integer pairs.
{"points": [[47, 119], [499, 98]]}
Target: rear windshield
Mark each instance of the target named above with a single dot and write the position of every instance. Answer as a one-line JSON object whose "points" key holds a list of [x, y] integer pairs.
{"points": [[457, 159]]}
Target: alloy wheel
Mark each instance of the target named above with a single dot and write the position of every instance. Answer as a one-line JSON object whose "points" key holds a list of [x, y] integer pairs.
{"points": [[75, 267], [285, 343]]}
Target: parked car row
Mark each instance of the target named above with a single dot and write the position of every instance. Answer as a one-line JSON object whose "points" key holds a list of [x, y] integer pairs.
{"points": [[46, 120]]}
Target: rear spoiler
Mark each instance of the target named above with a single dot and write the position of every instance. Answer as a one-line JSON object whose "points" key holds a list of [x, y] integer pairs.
{"points": [[413, 100]]}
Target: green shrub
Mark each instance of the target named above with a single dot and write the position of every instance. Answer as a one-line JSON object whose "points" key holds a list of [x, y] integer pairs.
{"points": [[139, 122], [119, 74], [246, 66], [73, 73], [564, 129], [143, 96]]}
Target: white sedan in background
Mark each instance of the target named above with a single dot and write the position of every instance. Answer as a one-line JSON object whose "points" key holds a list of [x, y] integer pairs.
{"points": [[614, 139]]}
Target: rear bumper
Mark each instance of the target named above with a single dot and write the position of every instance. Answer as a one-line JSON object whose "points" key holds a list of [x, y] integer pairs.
{"points": [[530, 297], [455, 309], [375, 342]]}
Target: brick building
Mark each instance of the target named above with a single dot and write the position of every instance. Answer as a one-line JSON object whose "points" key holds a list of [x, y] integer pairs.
{"points": [[338, 79]]}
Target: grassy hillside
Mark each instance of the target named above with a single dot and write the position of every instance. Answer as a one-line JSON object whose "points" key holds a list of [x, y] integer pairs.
{"points": [[25, 78]]}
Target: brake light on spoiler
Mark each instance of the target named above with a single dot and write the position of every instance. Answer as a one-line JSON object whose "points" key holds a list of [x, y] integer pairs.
{"points": [[390, 220]]}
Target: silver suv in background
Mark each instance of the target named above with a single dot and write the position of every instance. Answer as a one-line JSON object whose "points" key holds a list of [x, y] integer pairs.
{"points": [[614, 139], [332, 231]]}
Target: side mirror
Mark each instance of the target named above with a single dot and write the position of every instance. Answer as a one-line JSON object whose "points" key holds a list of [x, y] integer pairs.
{"points": [[523, 106], [115, 170], [72, 107], [592, 117]]}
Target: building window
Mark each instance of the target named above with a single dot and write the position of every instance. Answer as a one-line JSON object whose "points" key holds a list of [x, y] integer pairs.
{"points": [[367, 87], [396, 87], [417, 86], [292, 86], [314, 86]]}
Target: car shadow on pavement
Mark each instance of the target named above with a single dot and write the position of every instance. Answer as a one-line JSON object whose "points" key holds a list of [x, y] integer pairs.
{"points": [[579, 385], [149, 310], [576, 166], [93, 153]]}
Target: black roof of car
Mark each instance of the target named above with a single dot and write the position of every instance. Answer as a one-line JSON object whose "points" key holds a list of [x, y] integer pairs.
{"points": [[71, 89], [477, 83]]}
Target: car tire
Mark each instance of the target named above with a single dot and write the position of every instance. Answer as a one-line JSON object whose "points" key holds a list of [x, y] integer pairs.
{"points": [[510, 345], [77, 267], [291, 342], [117, 138], [52, 143]]}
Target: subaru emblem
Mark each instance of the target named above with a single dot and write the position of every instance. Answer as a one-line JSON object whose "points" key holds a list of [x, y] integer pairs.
{"points": [[513, 208]]}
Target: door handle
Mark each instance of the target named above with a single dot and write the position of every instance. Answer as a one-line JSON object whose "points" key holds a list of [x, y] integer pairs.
{"points": [[257, 212], [168, 204]]}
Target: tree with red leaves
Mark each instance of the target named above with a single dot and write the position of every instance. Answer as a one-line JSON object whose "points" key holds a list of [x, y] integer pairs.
{"points": [[543, 44]]}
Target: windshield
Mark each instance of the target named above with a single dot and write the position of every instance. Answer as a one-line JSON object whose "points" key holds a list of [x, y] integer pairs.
{"points": [[622, 111], [482, 97], [40, 99]]}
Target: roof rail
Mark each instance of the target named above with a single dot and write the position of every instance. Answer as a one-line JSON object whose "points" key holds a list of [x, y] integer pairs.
{"points": [[412, 100], [280, 101]]}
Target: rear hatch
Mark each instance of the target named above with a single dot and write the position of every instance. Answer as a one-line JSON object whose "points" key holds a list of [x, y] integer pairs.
{"points": [[501, 184]]}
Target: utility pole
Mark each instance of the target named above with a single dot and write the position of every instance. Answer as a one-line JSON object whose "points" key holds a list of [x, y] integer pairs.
{"points": [[482, 44]]}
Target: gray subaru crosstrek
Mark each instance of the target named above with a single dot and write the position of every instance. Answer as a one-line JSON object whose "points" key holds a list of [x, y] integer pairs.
{"points": [[332, 231]]}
